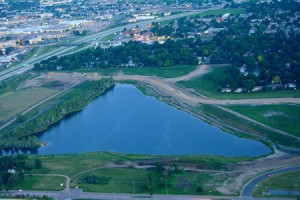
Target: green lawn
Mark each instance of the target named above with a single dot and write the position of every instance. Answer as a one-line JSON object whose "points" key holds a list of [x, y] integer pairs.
{"points": [[208, 86], [64, 164], [48, 48], [14, 102], [108, 38], [165, 72], [285, 181], [241, 124], [282, 117], [128, 180], [42, 183]]}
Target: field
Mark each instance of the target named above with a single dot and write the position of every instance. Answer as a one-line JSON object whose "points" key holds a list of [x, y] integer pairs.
{"points": [[286, 181], [234, 121], [42, 183], [282, 117], [108, 38], [46, 49], [128, 180], [13, 103], [208, 86], [64, 164], [165, 72]]}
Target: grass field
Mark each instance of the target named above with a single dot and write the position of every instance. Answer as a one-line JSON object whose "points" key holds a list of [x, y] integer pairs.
{"points": [[234, 121], [286, 181], [282, 117], [108, 38], [128, 180], [165, 72], [64, 164], [48, 48], [14, 102], [208, 86], [51, 183]]}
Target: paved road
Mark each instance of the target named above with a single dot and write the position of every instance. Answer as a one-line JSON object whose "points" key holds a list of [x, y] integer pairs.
{"points": [[249, 187], [19, 69], [78, 194]]}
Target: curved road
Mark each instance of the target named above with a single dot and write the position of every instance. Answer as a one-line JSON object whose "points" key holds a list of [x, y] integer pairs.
{"points": [[249, 187]]}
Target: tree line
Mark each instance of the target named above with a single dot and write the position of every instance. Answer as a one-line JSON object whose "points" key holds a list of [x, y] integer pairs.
{"points": [[23, 137], [157, 55]]}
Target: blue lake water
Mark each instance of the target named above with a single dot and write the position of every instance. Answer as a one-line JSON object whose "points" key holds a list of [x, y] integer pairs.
{"points": [[125, 120]]}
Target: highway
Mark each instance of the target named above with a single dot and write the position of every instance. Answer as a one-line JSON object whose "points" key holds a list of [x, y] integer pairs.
{"points": [[20, 68], [250, 186]]}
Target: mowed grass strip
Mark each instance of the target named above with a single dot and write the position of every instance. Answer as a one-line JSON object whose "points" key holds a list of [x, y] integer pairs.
{"points": [[164, 72], [282, 117], [14, 102], [42, 183], [208, 85], [286, 181]]}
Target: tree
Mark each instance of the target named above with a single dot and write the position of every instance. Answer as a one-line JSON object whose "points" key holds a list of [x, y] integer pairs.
{"points": [[249, 84], [276, 79]]}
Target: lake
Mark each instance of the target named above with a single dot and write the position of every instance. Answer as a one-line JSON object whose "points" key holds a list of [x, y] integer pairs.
{"points": [[127, 121]]}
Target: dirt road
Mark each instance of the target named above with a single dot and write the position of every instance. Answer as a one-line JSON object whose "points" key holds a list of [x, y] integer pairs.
{"points": [[167, 87]]}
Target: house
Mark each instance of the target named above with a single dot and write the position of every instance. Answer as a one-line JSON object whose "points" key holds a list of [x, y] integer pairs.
{"points": [[243, 70], [11, 171], [226, 90], [239, 90], [291, 86], [257, 88]]}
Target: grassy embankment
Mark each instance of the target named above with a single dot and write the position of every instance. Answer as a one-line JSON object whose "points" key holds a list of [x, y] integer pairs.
{"points": [[243, 125], [208, 86], [121, 179], [282, 117], [287, 181], [48, 48], [107, 38], [15, 101]]}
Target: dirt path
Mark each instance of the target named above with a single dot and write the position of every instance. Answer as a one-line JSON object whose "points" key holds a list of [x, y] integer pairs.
{"points": [[167, 87]]}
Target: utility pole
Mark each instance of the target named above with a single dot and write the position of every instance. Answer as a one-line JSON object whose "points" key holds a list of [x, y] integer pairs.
{"points": [[167, 191], [1, 183], [133, 188]]}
